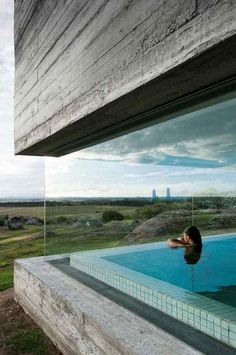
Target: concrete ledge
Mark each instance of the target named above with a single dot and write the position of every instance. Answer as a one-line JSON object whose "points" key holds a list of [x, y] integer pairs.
{"points": [[81, 321]]}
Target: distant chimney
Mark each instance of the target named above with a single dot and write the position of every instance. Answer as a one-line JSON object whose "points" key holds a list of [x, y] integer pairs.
{"points": [[154, 195], [168, 196]]}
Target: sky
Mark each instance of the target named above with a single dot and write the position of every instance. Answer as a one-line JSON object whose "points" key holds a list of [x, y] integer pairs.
{"points": [[193, 154], [20, 176]]}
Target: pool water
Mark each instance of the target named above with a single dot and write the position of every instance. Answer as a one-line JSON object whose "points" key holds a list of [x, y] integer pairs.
{"points": [[197, 287], [213, 275]]}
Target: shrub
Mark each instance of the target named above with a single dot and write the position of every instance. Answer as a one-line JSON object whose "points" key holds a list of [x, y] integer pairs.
{"points": [[61, 220], [149, 212], [2, 220], [111, 215], [146, 212]]}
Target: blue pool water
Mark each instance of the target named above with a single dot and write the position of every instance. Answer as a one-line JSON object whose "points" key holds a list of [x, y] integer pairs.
{"points": [[213, 275]]}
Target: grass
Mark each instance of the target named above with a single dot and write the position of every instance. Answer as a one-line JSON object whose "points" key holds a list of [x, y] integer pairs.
{"points": [[19, 334], [17, 244], [27, 341], [60, 245], [22, 211], [28, 243], [6, 277], [67, 238]]}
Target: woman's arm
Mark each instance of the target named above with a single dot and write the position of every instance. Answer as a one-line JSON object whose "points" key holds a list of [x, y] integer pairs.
{"points": [[175, 243]]}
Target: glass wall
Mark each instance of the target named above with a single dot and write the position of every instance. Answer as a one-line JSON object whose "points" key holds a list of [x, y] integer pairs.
{"points": [[145, 186]]}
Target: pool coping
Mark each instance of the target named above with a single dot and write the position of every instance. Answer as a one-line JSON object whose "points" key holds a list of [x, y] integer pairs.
{"points": [[209, 316], [80, 319]]}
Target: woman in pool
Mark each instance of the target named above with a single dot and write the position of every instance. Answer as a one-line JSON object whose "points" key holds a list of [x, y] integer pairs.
{"points": [[191, 237], [192, 241]]}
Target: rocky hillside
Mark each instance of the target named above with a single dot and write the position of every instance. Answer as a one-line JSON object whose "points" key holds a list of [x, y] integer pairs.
{"points": [[160, 225], [170, 222]]}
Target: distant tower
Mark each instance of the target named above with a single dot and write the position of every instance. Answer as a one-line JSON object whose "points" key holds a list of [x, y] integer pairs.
{"points": [[154, 195], [168, 196]]}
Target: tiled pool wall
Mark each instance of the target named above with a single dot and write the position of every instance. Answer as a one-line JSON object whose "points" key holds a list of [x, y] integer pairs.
{"points": [[211, 317]]}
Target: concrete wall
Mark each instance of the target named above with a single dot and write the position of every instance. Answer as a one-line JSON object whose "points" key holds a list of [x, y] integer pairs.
{"points": [[81, 321], [84, 66]]}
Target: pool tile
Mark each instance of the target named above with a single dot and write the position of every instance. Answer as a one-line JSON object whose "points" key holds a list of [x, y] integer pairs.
{"points": [[232, 327], [210, 332], [225, 338], [197, 312], [224, 332], [190, 309], [232, 336], [179, 316], [224, 325], [210, 325], [203, 315], [210, 317], [217, 329], [217, 335], [174, 302], [190, 316]]}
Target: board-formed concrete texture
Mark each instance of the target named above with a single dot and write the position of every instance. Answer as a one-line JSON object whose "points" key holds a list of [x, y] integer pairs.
{"points": [[82, 67], [81, 321]]}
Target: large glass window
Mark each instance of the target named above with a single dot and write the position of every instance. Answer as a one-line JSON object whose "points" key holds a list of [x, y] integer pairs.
{"points": [[147, 185]]}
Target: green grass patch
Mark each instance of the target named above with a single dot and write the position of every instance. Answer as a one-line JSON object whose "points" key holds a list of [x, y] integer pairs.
{"points": [[6, 279], [66, 237], [22, 211], [14, 247], [27, 341]]}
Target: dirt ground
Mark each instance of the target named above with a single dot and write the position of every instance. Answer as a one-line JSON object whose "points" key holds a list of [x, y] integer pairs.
{"points": [[18, 333]]}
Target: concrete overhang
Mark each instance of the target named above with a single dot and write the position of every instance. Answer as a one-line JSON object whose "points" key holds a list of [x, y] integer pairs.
{"points": [[65, 100]]}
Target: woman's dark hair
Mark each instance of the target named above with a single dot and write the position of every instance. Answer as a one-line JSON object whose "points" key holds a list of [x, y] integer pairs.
{"points": [[194, 234], [192, 254]]}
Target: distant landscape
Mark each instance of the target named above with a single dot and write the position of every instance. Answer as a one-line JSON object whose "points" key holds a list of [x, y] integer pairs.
{"points": [[83, 224]]}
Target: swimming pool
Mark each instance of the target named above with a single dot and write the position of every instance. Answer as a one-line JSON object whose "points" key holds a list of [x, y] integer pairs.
{"points": [[199, 290]]}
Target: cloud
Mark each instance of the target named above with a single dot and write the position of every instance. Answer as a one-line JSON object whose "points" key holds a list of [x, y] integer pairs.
{"points": [[204, 138], [19, 176], [93, 178]]}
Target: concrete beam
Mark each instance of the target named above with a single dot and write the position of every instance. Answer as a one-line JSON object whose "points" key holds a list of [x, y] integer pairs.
{"points": [[84, 67]]}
